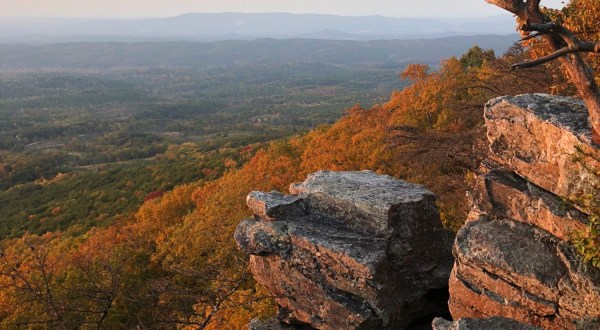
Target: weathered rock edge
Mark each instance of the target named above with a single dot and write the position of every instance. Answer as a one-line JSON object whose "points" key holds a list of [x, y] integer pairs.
{"points": [[546, 140], [350, 250], [513, 256], [511, 269]]}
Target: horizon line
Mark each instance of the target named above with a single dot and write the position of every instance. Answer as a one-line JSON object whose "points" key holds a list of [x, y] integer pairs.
{"points": [[252, 13]]}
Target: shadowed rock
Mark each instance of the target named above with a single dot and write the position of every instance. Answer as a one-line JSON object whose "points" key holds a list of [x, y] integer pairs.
{"points": [[356, 251], [494, 323], [514, 257]]}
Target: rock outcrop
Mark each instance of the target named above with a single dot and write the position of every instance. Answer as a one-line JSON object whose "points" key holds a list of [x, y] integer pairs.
{"points": [[513, 256], [270, 324], [350, 250], [493, 323], [546, 140]]}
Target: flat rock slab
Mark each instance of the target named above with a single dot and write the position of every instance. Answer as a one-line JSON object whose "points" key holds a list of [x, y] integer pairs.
{"points": [[514, 270], [349, 250], [546, 139], [493, 323], [362, 201]]}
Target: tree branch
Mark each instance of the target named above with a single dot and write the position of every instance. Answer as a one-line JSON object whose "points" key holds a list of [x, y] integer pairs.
{"points": [[533, 36], [562, 42], [533, 5], [554, 29], [582, 47]]}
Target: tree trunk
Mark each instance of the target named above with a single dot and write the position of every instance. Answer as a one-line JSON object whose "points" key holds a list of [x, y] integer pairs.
{"points": [[529, 13], [581, 76]]}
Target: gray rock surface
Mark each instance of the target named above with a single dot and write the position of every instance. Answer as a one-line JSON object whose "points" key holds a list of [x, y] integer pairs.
{"points": [[273, 324], [511, 269], [365, 251], [514, 258], [546, 140], [275, 205], [502, 193], [493, 323], [363, 201]]}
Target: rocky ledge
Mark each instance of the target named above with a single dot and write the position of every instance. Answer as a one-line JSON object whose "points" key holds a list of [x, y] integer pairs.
{"points": [[502, 193], [507, 268], [350, 250], [546, 140], [514, 258]]}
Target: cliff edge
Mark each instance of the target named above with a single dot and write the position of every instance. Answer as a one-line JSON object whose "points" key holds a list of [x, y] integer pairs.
{"points": [[350, 250], [514, 257]]}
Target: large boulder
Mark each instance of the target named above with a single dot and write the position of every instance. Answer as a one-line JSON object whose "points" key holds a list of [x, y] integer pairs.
{"points": [[350, 250], [546, 140]]}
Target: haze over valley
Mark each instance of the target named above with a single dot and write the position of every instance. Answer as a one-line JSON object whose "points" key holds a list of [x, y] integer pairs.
{"points": [[221, 26]]}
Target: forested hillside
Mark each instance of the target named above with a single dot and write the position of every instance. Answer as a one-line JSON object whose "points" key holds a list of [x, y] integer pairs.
{"points": [[88, 130], [81, 147], [173, 262]]}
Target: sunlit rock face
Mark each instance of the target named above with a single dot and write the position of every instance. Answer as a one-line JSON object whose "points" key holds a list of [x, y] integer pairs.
{"points": [[547, 141], [513, 256], [350, 250]]}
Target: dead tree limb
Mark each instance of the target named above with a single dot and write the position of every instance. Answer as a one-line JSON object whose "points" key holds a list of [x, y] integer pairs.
{"points": [[580, 48], [565, 46]]}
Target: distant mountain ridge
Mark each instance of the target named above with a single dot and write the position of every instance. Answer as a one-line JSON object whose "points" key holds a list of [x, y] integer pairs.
{"points": [[101, 55], [220, 26]]}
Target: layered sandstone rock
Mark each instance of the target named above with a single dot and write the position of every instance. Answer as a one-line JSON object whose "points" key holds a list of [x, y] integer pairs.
{"points": [[502, 193], [515, 270], [493, 323], [349, 250], [513, 256]]}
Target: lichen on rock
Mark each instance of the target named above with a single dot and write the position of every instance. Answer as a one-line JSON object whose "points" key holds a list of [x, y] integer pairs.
{"points": [[350, 250]]}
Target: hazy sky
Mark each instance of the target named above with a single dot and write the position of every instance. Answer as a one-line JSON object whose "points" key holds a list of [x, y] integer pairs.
{"points": [[160, 8]]}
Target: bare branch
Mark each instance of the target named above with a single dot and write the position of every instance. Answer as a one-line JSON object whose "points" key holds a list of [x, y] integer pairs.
{"points": [[541, 27], [555, 29], [562, 42], [582, 47], [533, 36]]}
